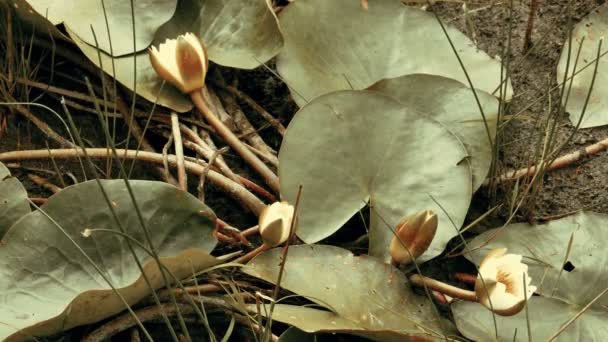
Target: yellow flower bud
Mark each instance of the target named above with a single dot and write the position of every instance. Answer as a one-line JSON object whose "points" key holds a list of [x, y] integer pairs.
{"points": [[414, 233], [501, 282], [275, 223], [182, 62]]}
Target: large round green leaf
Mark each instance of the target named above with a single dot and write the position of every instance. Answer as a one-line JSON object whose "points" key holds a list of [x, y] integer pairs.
{"points": [[13, 200], [568, 263], [453, 104], [349, 148], [47, 285], [365, 296], [546, 316], [349, 47], [589, 32], [146, 83], [236, 33], [83, 15]]}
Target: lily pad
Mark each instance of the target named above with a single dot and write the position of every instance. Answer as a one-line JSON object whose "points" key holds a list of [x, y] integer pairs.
{"points": [[453, 104], [365, 296], [236, 33], [566, 284], [349, 47], [588, 32], [546, 316], [81, 15], [13, 200], [350, 147], [46, 283], [148, 82]]}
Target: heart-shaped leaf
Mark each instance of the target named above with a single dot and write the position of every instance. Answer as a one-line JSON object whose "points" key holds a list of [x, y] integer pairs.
{"points": [[13, 200], [587, 34], [236, 33], [349, 47], [83, 15], [349, 148], [366, 297], [568, 263], [454, 105], [47, 284]]}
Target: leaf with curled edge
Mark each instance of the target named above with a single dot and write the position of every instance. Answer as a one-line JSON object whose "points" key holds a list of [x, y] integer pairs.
{"points": [[349, 47], [358, 295], [354, 147], [46, 283]]}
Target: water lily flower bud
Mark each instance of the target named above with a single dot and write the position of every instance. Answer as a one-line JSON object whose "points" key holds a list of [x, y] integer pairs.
{"points": [[416, 232], [503, 282], [183, 62], [275, 223]]}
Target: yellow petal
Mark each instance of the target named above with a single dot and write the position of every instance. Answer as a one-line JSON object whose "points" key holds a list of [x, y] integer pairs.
{"points": [[413, 237]]}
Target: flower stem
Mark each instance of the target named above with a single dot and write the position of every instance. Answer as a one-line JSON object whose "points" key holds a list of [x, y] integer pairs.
{"points": [[245, 258], [444, 288], [269, 177]]}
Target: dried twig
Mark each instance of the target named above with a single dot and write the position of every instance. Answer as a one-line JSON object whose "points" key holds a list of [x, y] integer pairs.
{"points": [[127, 321], [234, 189], [43, 182], [182, 178], [46, 129], [269, 177], [247, 128], [201, 183], [251, 102], [530, 25], [558, 163], [166, 172]]}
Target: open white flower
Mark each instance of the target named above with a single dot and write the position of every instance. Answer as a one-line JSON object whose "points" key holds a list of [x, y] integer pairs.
{"points": [[413, 236], [183, 62], [275, 223], [501, 282]]}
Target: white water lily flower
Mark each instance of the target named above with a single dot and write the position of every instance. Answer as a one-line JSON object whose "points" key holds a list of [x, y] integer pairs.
{"points": [[414, 234], [183, 62], [503, 282], [275, 223]]}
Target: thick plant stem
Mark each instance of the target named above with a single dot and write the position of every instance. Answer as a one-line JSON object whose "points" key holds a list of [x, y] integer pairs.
{"points": [[269, 177], [233, 189], [444, 288]]}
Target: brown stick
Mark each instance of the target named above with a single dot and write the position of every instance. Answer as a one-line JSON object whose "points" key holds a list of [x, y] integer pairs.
{"points": [[182, 177], [237, 191], [48, 131], [201, 147], [269, 177], [530, 26], [247, 128], [251, 102], [127, 321], [558, 163], [43, 182]]}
